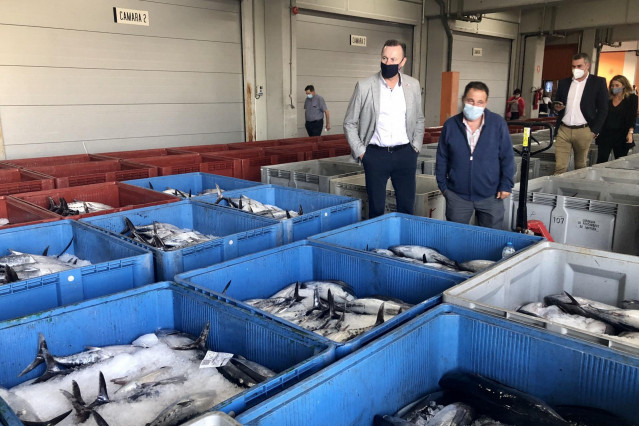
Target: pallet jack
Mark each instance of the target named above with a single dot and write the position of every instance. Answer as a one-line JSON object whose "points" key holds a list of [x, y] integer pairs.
{"points": [[523, 225]]}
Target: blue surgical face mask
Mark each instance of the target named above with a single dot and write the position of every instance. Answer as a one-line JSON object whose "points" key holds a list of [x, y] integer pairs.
{"points": [[309, 96], [617, 90], [472, 112]]}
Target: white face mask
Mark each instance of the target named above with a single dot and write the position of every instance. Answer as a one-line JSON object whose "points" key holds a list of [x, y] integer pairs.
{"points": [[577, 73]]}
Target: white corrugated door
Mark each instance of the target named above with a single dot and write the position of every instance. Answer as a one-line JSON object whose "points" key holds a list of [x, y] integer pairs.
{"points": [[326, 59], [491, 67]]}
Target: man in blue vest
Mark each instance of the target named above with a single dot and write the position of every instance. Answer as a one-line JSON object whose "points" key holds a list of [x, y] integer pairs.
{"points": [[475, 163]]}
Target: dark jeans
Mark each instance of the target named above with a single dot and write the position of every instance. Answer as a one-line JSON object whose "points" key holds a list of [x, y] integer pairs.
{"points": [[489, 211], [514, 115], [399, 164], [603, 151], [314, 128]]}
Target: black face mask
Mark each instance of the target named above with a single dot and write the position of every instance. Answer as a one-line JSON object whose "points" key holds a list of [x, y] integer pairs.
{"points": [[389, 71]]}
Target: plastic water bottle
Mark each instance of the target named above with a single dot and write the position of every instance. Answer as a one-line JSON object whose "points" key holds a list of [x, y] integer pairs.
{"points": [[508, 250]]}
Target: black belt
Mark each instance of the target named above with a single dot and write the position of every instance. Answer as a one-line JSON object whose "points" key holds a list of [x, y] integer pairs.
{"points": [[389, 148], [580, 126]]}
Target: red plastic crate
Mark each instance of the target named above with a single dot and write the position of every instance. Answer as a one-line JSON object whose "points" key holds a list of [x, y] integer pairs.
{"points": [[14, 180], [222, 166], [332, 137], [297, 141], [142, 153], [255, 144], [201, 148], [251, 161], [29, 163], [118, 195], [173, 164], [20, 213], [105, 170]]}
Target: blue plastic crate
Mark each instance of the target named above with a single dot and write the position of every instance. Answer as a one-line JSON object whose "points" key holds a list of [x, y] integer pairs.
{"points": [[116, 265], [70, 329], [457, 241], [322, 212], [240, 233], [194, 182], [261, 275], [408, 363]]}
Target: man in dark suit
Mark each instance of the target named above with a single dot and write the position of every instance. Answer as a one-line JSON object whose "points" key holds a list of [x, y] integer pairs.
{"points": [[582, 104]]}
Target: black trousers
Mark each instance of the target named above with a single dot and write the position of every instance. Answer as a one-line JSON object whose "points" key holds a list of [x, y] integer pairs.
{"points": [[614, 141], [399, 164], [314, 128]]}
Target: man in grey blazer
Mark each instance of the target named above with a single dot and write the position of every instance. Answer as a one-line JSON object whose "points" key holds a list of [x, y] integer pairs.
{"points": [[384, 126]]}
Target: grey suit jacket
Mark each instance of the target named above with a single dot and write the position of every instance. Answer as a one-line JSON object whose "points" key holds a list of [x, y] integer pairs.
{"points": [[363, 113]]}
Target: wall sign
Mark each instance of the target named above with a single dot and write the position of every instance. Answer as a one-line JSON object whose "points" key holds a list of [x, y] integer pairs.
{"points": [[358, 40], [477, 51], [130, 16]]}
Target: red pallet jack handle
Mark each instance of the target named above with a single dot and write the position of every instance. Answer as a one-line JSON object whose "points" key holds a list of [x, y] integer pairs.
{"points": [[538, 228]]}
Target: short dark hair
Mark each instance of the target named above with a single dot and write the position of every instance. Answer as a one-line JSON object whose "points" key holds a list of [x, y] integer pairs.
{"points": [[583, 56], [477, 85], [393, 43], [309, 87], [517, 92]]}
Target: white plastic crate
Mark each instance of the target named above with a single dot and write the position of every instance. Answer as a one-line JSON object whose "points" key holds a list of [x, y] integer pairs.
{"points": [[591, 214], [313, 175], [549, 269], [429, 201]]}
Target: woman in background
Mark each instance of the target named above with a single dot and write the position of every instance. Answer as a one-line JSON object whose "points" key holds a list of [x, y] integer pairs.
{"points": [[515, 106], [616, 133]]}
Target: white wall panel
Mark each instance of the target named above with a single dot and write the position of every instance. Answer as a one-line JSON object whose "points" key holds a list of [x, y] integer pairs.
{"points": [[69, 74]]}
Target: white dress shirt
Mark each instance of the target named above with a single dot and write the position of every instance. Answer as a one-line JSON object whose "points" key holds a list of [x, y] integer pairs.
{"points": [[573, 115], [391, 125]]}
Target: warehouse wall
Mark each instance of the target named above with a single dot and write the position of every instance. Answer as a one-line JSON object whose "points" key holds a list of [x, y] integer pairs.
{"points": [[70, 76], [326, 59]]}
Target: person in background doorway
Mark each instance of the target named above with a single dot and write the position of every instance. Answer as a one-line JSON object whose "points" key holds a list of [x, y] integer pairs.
{"points": [[515, 106], [384, 125], [616, 133], [315, 108], [475, 163], [582, 105]]}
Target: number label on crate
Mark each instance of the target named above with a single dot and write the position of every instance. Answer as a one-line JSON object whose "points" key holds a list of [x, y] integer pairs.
{"points": [[559, 220]]}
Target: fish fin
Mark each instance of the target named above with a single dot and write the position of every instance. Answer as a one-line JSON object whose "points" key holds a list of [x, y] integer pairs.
{"points": [[296, 295], [64, 206], [239, 204], [226, 287], [76, 392], [572, 299], [151, 186], [130, 227], [331, 305], [190, 195], [103, 396], [45, 251], [53, 369], [232, 203], [99, 420], [288, 215], [424, 258], [39, 358], [157, 242], [66, 248], [180, 193], [380, 315], [52, 205], [301, 211], [218, 191], [200, 343], [10, 275], [82, 413], [86, 207], [219, 198]]}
